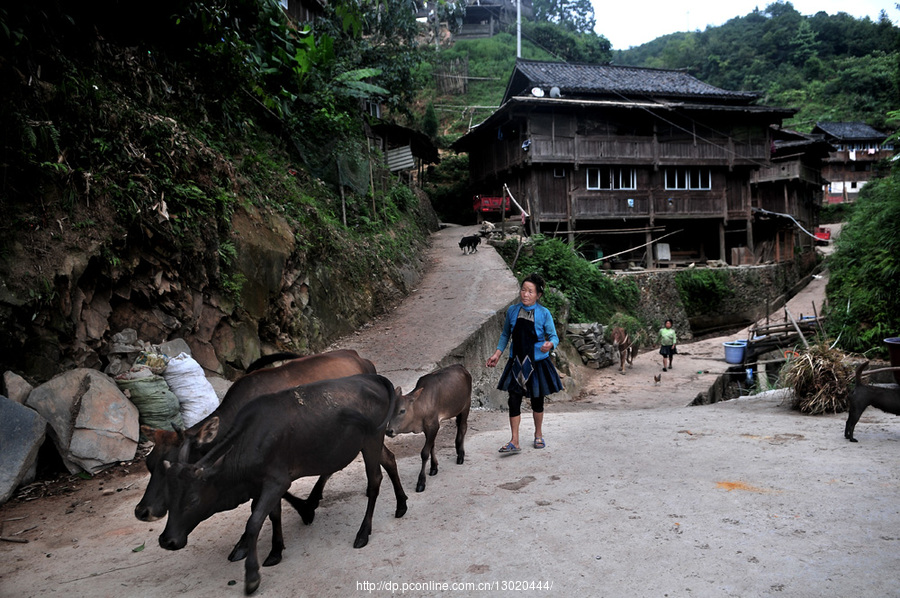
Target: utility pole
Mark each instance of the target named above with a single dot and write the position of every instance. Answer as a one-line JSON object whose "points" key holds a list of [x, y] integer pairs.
{"points": [[518, 28]]}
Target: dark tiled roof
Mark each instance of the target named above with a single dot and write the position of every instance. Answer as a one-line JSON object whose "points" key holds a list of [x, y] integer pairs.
{"points": [[594, 79], [848, 130]]}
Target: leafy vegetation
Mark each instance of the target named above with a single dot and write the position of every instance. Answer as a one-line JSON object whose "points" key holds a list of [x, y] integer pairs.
{"points": [[158, 127], [703, 290], [593, 296], [572, 15], [863, 290]]}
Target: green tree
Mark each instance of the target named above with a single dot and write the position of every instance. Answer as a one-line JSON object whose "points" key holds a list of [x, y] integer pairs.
{"points": [[566, 45], [803, 45], [576, 16], [863, 294], [430, 121]]}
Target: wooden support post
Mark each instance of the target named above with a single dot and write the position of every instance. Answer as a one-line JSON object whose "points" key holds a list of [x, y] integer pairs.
{"points": [[722, 255]]}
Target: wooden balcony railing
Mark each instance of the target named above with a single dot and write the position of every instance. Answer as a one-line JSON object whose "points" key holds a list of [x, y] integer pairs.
{"points": [[786, 171]]}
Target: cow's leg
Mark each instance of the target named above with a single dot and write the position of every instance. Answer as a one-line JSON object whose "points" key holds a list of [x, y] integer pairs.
{"points": [[431, 432], [263, 507], [307, 508], [277, 537], [372, 453], [389, 463], [462, 424], [239, 552]]}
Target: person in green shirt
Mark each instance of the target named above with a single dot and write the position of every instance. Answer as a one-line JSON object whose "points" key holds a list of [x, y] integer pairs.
{"points": [[667, 342]]}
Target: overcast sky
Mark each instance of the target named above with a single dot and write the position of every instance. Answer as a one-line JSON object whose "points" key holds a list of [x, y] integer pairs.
{"points": [[627, 24]]}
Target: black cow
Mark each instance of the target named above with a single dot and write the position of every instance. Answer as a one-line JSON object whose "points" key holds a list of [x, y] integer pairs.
{"points": [[311, 430], [167, 445]]}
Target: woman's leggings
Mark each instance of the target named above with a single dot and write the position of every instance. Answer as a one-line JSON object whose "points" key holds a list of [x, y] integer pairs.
{"points": [[515, 404]]}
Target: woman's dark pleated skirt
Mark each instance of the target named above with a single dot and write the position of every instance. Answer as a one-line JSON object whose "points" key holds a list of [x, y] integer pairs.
{"points": [[543, 380]]}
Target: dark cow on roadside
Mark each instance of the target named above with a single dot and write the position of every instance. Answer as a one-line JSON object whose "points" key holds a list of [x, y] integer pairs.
{"points": [[296, 371], [438, 396], [167, 445], [311, 430]]}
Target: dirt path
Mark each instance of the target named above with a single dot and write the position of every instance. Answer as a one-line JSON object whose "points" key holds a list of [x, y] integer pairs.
{"points": [[696, 366], [742, 498]]}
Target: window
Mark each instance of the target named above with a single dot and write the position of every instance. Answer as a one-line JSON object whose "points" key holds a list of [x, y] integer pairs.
{"points": [[559, 173], [611, 177], [694, 178], [373, 108]]}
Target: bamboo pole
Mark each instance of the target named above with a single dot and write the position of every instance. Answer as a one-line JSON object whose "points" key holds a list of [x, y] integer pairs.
{"points": [[797, 328], [606, 257]]}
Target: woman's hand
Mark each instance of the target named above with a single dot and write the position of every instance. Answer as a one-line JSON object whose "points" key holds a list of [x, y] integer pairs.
{"points": [[546, 347], [493, 359]]}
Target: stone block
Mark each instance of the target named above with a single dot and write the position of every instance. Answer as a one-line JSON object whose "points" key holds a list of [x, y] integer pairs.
{"points": [[22, 432], [174, 347]]}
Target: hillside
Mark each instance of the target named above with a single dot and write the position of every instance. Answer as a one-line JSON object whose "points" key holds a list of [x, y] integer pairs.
{"points": [[160, 174], [830, 67]]}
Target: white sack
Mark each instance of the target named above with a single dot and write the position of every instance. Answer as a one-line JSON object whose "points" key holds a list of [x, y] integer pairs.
{"points": [[187, 381]]}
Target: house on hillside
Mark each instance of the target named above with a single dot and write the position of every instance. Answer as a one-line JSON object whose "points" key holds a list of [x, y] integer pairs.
{"points": [[303, 11], [404, 149], [787, 193], [485, 18], [857, 147], [625, 158]]}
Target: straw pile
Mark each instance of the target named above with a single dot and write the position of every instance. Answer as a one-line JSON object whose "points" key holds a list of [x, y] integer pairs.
{"points": [[821, 380]]}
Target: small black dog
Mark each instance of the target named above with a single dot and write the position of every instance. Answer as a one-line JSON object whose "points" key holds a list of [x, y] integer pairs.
{"points": [[863, 395], [470, 244]]}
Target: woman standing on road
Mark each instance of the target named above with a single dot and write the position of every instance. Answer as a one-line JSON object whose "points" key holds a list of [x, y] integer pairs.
{"points": [[528, 372], [667, 341]]}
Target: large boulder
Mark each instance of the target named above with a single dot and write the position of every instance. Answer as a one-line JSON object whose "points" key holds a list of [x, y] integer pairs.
{"points": [[22, 432], [91, 422]]}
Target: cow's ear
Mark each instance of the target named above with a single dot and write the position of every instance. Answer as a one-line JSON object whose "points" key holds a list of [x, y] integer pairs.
{"points": [[157, 436], [399, 391], [208, 431], [416, 394]]}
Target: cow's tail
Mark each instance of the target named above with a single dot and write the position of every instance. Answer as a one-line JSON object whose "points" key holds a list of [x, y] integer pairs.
{"points": [[267, 360], [392, 404]]}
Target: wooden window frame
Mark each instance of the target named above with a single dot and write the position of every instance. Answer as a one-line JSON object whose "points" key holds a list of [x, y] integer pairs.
{"points": [[688, 178], [610, 178]]}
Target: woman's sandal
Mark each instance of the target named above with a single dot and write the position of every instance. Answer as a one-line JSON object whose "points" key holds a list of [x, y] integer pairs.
{"points": [[509, 448], [539, 443]]}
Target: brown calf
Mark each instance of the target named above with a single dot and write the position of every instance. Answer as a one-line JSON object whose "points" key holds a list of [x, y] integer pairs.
{"points": [[440, 395]]}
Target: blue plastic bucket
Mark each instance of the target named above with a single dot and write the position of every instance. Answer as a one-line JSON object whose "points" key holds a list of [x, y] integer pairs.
{"points": [[734, 352]]}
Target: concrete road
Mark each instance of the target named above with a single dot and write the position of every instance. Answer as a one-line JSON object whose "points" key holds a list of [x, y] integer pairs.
{"points": [[744, 498]]}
